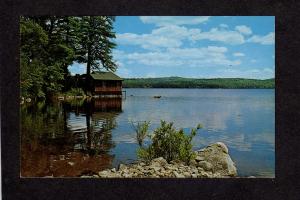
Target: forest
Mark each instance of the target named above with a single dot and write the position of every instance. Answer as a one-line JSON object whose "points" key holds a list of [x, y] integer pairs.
{"points": [[179, 82], [49, 44]]}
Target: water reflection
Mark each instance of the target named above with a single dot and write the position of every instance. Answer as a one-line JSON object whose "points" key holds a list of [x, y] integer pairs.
{"points": [[79, 137], [243, 119], [67, 139]]}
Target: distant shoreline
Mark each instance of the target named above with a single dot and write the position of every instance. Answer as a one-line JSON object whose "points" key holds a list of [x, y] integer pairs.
{"points": [[193, 83]]}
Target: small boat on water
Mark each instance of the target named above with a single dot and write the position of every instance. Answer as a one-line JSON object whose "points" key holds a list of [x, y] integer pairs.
{"points": [[157, 97]]}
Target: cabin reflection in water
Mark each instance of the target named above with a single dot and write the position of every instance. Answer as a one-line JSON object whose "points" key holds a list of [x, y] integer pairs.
{"points": [[79, 142]]}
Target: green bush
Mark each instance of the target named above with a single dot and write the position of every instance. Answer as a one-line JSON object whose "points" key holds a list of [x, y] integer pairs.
{"points": [[169, 143], [75, 92]]}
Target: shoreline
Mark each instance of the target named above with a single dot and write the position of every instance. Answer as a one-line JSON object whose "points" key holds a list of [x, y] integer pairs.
{"points": [[212, 161]]}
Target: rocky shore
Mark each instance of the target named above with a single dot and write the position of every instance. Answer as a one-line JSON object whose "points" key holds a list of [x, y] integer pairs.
{"points": [[210, 162]]}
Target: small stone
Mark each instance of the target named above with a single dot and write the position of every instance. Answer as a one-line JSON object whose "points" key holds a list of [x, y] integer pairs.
{"points": [[201, 150], [193, 163], [126, 175], [176, 162], [194, 170], [113, 170], [177, 175], [217, 175], [170, 167], [199, 158], [122, 167], [186, 174], [71, 163], [194, 175], [156, 169], [159, 162], [103, 173]]}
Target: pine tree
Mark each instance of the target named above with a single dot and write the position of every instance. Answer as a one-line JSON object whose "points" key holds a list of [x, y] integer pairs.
{"points": [[96, 43]]}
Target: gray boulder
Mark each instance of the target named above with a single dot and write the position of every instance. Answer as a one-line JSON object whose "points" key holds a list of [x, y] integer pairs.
{"points": [[219, 159]]}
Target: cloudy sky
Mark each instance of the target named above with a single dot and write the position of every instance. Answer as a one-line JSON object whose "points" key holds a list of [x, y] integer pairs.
{"points": [[194, 46]]}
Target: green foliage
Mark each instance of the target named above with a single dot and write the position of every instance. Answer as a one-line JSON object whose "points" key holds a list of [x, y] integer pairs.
{"points": [[141, 130], [75, 92], [49, 44], [178, 82], [95, 49], [32, 78], [169, 143], [33, 41]]}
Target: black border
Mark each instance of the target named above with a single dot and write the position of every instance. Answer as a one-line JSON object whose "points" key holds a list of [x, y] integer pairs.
{"points": [[284, 186]]}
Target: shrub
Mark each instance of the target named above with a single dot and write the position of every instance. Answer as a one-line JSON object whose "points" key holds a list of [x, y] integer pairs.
{"points": [[169, 143], [141, 130], [75, 92]]}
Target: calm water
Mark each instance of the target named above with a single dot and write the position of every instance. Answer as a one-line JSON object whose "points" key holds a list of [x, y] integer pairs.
{"points": [[72, 139]]}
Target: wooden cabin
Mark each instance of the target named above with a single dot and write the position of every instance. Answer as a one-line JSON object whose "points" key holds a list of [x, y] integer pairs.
{"points": [[106, 83]]}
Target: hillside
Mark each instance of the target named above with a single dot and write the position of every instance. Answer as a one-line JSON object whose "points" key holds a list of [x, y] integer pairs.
{"points": [[179, 82]]}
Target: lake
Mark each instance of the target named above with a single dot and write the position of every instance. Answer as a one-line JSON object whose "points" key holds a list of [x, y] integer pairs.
{"points": [[67, 139]]}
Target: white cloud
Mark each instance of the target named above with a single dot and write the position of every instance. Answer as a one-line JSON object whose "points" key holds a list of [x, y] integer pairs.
{"points": [[147, 41], [173, 36], [226, 36], [223, 25], [173, 20], [238, 54], [179, 32], [265, 40], [244, 29], [179, 57], [168, 36]]}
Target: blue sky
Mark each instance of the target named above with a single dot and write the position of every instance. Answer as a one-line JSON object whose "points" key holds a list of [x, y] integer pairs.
{"points": [[193, 46]]}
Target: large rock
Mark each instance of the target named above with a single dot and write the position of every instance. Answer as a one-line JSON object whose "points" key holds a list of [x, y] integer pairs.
{"points": [[217, 155]]}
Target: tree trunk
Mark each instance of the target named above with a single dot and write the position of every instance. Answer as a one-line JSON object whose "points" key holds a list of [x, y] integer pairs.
{"points": [[88, 73], [88, 64]]}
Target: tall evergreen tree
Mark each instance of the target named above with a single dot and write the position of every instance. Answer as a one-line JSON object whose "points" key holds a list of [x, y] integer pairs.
{"points": [[96, 43]]}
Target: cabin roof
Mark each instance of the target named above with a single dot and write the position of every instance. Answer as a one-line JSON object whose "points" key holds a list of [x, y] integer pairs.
{"points": [[107, 76]]}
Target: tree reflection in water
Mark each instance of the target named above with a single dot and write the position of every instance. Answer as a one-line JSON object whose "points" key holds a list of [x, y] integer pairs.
{"points": [[67, 139]]}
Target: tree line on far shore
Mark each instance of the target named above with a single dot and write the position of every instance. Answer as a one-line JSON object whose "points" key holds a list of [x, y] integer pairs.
{"points": [[179, 82], [49, 44]]}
